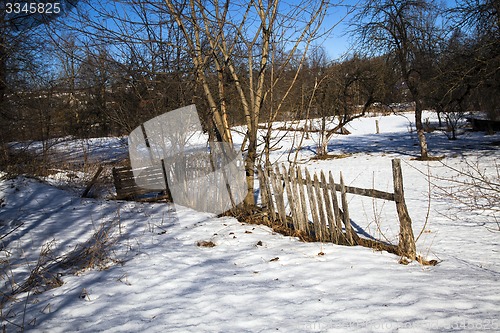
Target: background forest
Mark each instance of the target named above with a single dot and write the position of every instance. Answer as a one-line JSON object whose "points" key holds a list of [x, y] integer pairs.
{"points": [[100, 68]]}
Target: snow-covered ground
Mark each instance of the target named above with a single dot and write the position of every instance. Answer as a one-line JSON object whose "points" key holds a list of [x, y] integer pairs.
{"points": [[158, 278]]}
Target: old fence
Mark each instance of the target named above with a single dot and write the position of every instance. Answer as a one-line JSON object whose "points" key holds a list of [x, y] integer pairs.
{"points": [[316, 197]]}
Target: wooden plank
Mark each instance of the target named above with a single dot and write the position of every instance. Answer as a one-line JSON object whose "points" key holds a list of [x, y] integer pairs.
{"points": [[332, 230], [271, 207], [322, 226], [278, 194], [291, 201], [116, 178], [336, 208], [122, 169], [272, 199], [303, 202], [312, 204], [372, 193], [299, 215], [126, 186], [345, 208], [263, 191]]}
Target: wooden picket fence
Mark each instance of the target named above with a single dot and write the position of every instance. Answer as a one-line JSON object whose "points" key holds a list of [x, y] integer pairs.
{"points": [[316, 196], [126, 183]]}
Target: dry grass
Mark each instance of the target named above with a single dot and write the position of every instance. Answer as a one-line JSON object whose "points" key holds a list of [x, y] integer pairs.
{"points": [[256, 215], [205, 244], [330, 156], [95, 253], [49, 269]]}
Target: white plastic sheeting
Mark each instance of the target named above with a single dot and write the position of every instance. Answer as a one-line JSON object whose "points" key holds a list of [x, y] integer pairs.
{"points": [[172, 149]]}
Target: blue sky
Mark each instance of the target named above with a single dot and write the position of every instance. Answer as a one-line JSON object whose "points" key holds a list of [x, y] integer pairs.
{"points": [[338, 42]]}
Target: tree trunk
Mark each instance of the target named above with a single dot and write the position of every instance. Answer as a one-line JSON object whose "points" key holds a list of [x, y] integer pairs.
{"points": [[439, 111], [424, 154], [250, 167]]}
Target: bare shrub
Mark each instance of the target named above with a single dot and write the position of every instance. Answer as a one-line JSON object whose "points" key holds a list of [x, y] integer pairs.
{"points": [[205, 244], [95, 253], [475, 187], [47, 273], [22, 162]]}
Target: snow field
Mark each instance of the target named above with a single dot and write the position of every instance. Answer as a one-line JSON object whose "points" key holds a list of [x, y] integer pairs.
{"points": [[254, 280]]}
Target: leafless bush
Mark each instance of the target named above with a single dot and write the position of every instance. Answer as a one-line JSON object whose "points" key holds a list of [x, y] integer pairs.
{"points": [[22, 161], [474, 187], [95, 253], [41, 278]]}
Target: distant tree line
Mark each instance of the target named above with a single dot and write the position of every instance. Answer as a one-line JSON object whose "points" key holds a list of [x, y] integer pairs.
{"points": [[101, 68]]}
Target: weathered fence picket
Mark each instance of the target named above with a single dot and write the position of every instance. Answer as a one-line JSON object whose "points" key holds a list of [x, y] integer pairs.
{"points": [[303, 202], [293, 205], [332, 229], [278, 192], [346, 217], [316, 197], [336, 209]]}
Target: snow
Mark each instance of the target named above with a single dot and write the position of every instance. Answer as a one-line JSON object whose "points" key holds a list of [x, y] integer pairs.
{"points": [[158, 279]]}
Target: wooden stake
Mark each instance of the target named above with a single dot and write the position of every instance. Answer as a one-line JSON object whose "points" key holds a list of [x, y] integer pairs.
{"points": [[92, 182], [406, 245]]}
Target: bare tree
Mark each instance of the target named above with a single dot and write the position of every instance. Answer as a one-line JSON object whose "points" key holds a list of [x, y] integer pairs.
{"points": [[349, 91], [405, 30], [23, 68], [478, 53], [475, 186], [149, 73], [237, 39]]}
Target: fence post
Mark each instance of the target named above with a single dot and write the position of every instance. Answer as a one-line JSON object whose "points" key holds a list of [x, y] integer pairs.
{"points": [[406, 238]]}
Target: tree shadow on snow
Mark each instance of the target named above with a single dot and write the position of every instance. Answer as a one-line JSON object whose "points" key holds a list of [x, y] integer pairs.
{"points": [[407, 144]]}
